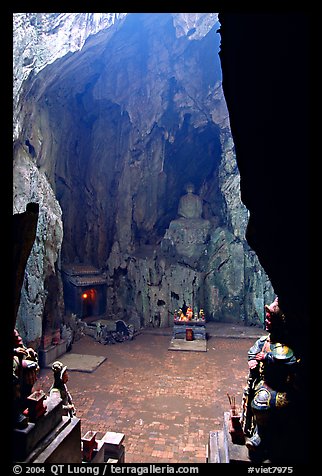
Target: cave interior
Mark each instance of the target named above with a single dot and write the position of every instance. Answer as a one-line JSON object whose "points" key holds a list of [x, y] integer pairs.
{"points": [[109, 164], [118, 129]]}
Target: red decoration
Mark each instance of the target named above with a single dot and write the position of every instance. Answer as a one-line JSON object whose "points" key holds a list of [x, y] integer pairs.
{"points": [[36, 406], [88, 445]]}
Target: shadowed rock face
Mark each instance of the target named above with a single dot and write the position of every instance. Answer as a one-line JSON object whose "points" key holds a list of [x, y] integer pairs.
{"points": [[118, 127], [273, 158], [272, 155], [24, 233]]}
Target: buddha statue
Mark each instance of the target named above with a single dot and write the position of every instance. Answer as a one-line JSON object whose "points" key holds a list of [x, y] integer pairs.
{"points": [[188, 234], [190, 204]]}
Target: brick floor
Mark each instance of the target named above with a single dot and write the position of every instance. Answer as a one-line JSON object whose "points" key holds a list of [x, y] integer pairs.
{"points": [[165, 402]]}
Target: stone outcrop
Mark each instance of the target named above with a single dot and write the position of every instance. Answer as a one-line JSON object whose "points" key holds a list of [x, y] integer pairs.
{"points": [[39, 39], [188, 237], [41, 300], [112, 124]]}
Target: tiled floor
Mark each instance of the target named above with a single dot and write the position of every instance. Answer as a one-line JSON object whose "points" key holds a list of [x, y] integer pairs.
{"points": [[165, 402]]}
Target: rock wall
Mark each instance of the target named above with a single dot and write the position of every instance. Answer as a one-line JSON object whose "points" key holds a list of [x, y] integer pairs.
{"points": [[31, 186], [115, 124], [39, 39]]}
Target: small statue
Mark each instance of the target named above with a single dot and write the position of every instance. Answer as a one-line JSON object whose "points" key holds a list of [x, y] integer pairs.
{"points": [[189, 313], [271, 389], [25, 374], [60, 389], [202, 315], [180, 315], [98, 331]]}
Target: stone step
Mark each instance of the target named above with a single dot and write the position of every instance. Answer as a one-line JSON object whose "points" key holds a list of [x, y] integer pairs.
{"points": [[26, 440], [61, 445]]}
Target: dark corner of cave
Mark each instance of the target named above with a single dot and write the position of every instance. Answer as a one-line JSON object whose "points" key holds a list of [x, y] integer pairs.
{"points": [[160, 232]]}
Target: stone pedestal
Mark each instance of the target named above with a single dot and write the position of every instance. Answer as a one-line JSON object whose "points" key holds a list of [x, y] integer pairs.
{"points": [[25, 440], [98, 453], [63, 445], [186, 237], [113, 447], [52, 438]]}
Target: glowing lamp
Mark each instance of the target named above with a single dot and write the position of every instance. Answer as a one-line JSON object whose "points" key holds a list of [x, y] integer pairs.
{"points": [[84, 295]]}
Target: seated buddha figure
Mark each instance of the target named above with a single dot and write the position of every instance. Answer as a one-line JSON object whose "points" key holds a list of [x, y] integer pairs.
{"points": [[190, 204], [188, 234]]}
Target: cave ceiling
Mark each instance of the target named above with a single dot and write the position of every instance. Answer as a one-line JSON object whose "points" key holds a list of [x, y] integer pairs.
{"points": [[127, 122]]}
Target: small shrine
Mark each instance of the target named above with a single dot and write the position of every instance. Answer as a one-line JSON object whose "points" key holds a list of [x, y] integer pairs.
{"points": [[189, 330], [84, 290]]}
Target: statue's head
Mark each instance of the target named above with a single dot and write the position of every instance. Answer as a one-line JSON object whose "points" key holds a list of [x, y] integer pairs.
{"points": [[17, 340], [190, 188], [59, 369], [274, 317]]}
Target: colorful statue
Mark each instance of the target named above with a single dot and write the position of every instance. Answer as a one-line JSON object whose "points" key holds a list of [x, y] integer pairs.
{"points": [[189, 313], [202, 315], [25, 374], [180, 315], [60, 389], [269, 397]]}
